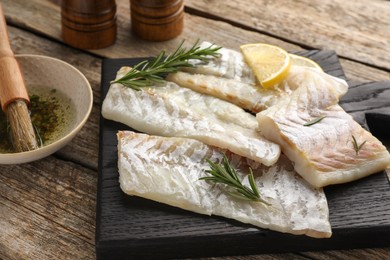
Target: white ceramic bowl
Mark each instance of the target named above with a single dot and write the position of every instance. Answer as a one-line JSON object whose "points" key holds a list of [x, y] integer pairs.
{"points": [[55, 74]]}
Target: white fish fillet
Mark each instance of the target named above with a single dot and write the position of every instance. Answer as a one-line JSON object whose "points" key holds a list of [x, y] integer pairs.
{"points": [[230, 65], [322, 153], [244, 95], [170, 110], [228, 77], [167, 170]]}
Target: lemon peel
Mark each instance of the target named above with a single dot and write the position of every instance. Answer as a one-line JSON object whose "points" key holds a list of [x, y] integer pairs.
{"points": [[269, 63]]}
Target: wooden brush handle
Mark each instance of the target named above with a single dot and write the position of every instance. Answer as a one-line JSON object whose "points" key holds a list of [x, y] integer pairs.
{"points": [[12, 86]]}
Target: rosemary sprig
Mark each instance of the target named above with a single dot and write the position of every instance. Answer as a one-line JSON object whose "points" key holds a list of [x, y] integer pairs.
{"points": [[147, 73], [224, 173], [314, 121], [357, 147]]}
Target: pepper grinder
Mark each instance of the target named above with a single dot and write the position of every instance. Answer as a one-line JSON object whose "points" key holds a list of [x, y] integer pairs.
{"points": [[157, 20], [88, 24]]}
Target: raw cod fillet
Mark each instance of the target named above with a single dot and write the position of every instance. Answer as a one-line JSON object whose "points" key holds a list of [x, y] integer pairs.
{"points": [[250, 97], [167, 170], [324, 152], [228, 77], [170, 110], [244, 95], [230, 65]]}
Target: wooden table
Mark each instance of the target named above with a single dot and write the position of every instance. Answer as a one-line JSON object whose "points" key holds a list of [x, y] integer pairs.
{"points": [[47, 208]]}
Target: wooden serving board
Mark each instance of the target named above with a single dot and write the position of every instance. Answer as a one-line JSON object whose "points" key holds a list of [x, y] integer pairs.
{"points": [[134, 228]]}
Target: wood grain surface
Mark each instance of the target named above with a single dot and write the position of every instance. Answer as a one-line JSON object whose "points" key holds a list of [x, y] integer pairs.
{"points": [[157, 20], [357, 30], [36, 15], [47, 208], [86, 25]]}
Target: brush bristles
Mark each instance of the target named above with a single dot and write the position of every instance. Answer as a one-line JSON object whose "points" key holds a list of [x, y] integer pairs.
{"points": [[22, 132]]}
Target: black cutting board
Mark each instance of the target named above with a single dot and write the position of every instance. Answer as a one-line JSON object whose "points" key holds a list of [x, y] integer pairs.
{"points": [[134, 228]]}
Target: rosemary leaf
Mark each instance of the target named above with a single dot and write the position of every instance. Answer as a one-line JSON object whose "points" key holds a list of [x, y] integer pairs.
{"points": [[225, 174], [147, 73], [314, 121], [357, 147], [252, 183], [239, 196]]}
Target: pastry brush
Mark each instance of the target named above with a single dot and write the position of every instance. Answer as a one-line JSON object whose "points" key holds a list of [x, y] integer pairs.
{"points": [[14, 97]]}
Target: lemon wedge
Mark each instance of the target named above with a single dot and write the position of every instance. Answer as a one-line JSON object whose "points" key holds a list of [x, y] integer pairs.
{"points": [[269, 63], [305, 62]]}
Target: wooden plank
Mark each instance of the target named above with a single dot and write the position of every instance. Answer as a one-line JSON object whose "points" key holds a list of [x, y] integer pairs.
{"points": [[47, 210], [47, 22], [84, 147], [135, 227], [371, 253], [357, 30], [26, 232], [363, 73], [358, 102], [23, 14]]}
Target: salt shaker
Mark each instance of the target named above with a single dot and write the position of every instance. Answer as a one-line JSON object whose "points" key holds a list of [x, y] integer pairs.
{"points": [[88, 24], [157, 20]]}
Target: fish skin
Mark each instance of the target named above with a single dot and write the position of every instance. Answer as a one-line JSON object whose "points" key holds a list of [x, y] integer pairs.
{"points": [[323, 153], [167, 170], [170, 110]]}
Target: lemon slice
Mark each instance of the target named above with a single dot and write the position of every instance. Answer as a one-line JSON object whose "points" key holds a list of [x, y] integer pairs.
{"points": [[269, 63], [305, 62]]}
